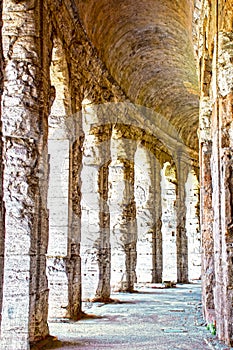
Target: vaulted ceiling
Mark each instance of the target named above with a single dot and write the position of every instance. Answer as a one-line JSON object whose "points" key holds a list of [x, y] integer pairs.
{"points": [[147, 47]]}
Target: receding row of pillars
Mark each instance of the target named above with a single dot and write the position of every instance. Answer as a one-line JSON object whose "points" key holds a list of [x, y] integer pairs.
{"points": [[26, 221], [105, 257]]}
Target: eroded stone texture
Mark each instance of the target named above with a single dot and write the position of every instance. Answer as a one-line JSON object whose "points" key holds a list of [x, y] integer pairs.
{"points": [[205, 55], [103, 41], [158, 258], [181, 240], [206, 213], [73, 261], [124, 225], [2, 233], [104, 247], [193, 226], [169, 222], [217, 41], [90, 228], [144, 197], [58, 201], [25, 108], [149, 215], [96, 250]]}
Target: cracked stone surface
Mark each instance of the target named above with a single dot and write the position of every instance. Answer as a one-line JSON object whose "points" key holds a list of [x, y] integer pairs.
{"points": [[117, 55]]}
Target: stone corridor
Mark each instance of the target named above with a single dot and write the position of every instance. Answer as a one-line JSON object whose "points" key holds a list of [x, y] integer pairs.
{"points": [[116, 166], [152, 319]]}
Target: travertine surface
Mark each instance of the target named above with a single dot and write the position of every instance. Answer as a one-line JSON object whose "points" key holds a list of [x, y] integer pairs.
{"points": [[25, 107], [99, 147], [216, 72]]}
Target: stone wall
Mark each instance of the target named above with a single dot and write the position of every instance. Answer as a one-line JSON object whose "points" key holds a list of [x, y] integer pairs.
{"points": [[216, 62], [2, 233]]}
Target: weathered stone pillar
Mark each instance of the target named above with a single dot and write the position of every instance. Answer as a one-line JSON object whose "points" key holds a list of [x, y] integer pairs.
{"points": [[125, 226], [104, 247], [2, 231], [145, 208], [192, 204], [149, 214], [58, 148], [169, 221], [73, 260], [206, 36], [157, 262], [182, 241], [217, 38], [206, 212], [222, 116], [96, 251], [90, 230], [25, 108]]}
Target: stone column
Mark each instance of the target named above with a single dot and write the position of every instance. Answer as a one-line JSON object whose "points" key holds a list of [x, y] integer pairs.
{"points": [[217, 37], [145, 206], [149, 214], [182, 241], [205, 155], [96, 251], [169, 221], [219, 295], [206, 212], [124, 235], [73, 260], [192, 204], [58, 148], [25, 108], [157, 261], [104, 247], [2, 231], [222, 114]]}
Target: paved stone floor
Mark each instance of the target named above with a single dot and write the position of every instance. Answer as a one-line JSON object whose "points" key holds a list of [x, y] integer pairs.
{"points": [[150, 319]]}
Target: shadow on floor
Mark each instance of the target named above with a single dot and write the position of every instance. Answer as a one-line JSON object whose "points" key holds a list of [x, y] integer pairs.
{"points": [[53, 343]]}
